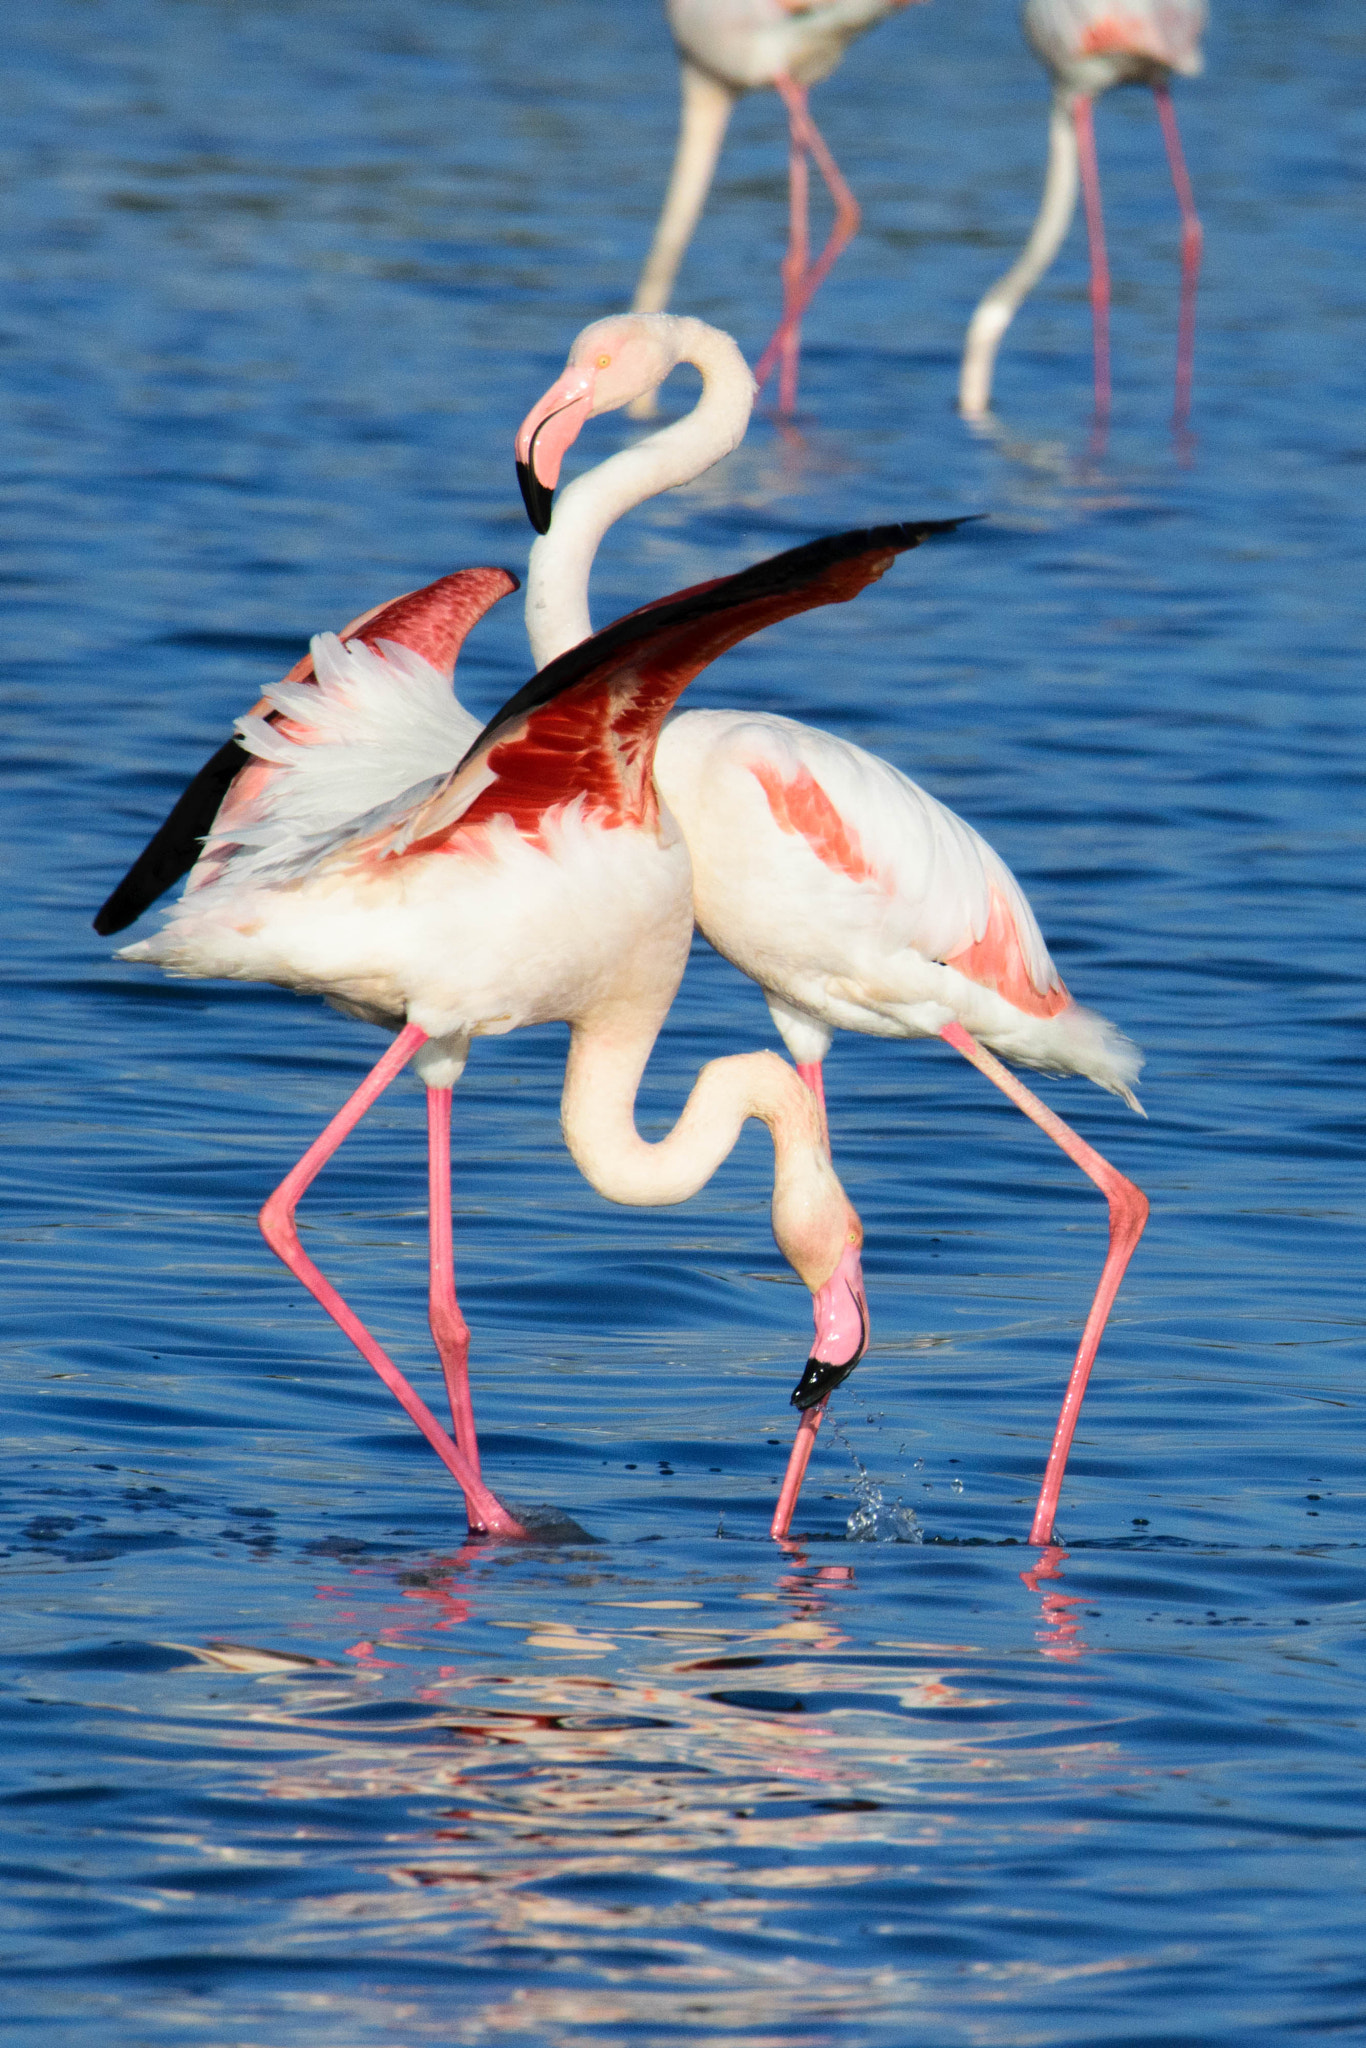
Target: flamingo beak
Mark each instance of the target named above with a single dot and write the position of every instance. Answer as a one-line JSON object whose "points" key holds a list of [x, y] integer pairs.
{"points": [[545, 436], [841, 1312]]}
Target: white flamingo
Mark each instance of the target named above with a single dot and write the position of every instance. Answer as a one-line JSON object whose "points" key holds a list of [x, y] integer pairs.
{"points": [[1088, 46], [730, 47], [852, 897], [363, 840]]}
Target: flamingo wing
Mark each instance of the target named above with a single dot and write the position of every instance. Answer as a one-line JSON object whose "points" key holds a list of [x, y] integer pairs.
{"points": [[586, 726], [430, 623], [928, 879]]}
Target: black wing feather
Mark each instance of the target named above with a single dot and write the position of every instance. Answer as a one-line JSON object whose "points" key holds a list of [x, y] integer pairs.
{"points": [[173, 850], [795, 568]]}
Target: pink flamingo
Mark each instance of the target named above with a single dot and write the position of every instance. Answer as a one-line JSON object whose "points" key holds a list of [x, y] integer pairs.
{"points": [[532, 877], [1089, 46], [854, 899], [730, 47]]}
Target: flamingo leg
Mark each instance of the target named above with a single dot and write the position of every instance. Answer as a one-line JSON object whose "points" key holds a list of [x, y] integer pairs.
{"points": [[278, 1229], [1084, 124], [802, 278], [1128, 1214], [449, 1327], [1192, 247], [799, 1458], [805, 1440], [785, 347]]}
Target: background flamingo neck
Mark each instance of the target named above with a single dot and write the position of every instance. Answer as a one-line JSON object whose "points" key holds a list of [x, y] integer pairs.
{"points": [[998, 306], [557, 614], [704, 114]]}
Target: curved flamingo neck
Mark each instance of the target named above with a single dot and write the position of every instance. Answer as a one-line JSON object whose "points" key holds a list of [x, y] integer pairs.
{"points": [[999, 305], [557, 614], [813, 1221]]}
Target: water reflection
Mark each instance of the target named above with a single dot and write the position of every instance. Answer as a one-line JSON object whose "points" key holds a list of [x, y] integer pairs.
{"points": [[1060, 1636], [282, 279], [664, 1834], [1049, 477]]}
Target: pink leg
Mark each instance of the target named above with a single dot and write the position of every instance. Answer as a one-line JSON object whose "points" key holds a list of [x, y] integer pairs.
{"points": [[801, 279], [1084, 124], [787, 341], [1128, 1214], [278, 1229], [449, 1327], [805, 1440], [1192, 247], [797, 1463], [847, 213]]}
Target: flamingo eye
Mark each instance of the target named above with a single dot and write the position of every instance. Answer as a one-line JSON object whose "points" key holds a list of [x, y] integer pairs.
{"points": [[603, 362]]}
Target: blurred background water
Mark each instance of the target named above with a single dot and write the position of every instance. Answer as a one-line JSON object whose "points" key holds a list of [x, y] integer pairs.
{"points": [[283, 1762]]}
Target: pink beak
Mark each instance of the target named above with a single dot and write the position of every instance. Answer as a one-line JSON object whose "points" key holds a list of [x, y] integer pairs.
{"points": [[841, 1312], [545, 436]]}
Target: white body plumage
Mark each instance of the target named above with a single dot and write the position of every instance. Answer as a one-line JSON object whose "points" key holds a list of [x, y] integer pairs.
{"points": [[466, 941], [843, 889], [747, 43]]}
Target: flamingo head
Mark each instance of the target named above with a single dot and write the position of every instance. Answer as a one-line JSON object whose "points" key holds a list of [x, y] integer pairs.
{"points": [[611, 363]]}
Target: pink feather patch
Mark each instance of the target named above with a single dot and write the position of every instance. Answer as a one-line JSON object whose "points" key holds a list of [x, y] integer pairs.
{"points": [[996, 960]]}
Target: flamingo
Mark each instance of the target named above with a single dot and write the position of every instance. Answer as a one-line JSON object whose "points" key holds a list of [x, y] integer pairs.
{"points": [[730, 47], [1088, 46], [854, 899], [534, 876]]}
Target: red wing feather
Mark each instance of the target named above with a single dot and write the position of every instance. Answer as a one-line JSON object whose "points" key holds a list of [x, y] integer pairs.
{"points": [[587, 725], [433, 622]]}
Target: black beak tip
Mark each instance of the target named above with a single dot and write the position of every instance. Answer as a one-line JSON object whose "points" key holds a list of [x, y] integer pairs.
{"points": [[822, 1377], [537, 499], [819, 1380]]}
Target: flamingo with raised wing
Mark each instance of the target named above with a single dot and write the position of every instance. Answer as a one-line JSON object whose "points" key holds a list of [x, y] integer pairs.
{"points": [[730, 47], [852, 897], [1088, 46], [533, 876]]}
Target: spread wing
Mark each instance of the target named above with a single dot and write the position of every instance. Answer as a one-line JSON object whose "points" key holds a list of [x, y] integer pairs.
{"points": [[431, 623], [586, 726]]}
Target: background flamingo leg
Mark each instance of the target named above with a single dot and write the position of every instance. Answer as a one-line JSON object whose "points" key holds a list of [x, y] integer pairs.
{"points": [[785, 345], [1192, 248], [800, 1457], [278, 1229], [449, 1327], [848, 215], [794, 274], [1083, 122], [802, 278], [1128, 1214]]}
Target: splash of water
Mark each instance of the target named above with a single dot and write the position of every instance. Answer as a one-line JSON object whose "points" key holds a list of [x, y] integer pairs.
{"points": [[875, 1519]]}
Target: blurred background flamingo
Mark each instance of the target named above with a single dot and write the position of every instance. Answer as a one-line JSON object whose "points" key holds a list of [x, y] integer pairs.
{"points": [[726, 48], [1088, 46]]}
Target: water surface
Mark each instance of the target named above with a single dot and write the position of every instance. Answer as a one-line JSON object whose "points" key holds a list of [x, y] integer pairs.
{"points": [[288, 1763]]}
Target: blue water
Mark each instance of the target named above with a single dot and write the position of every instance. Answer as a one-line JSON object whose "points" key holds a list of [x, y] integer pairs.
{"points": [[283, 1763]]}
